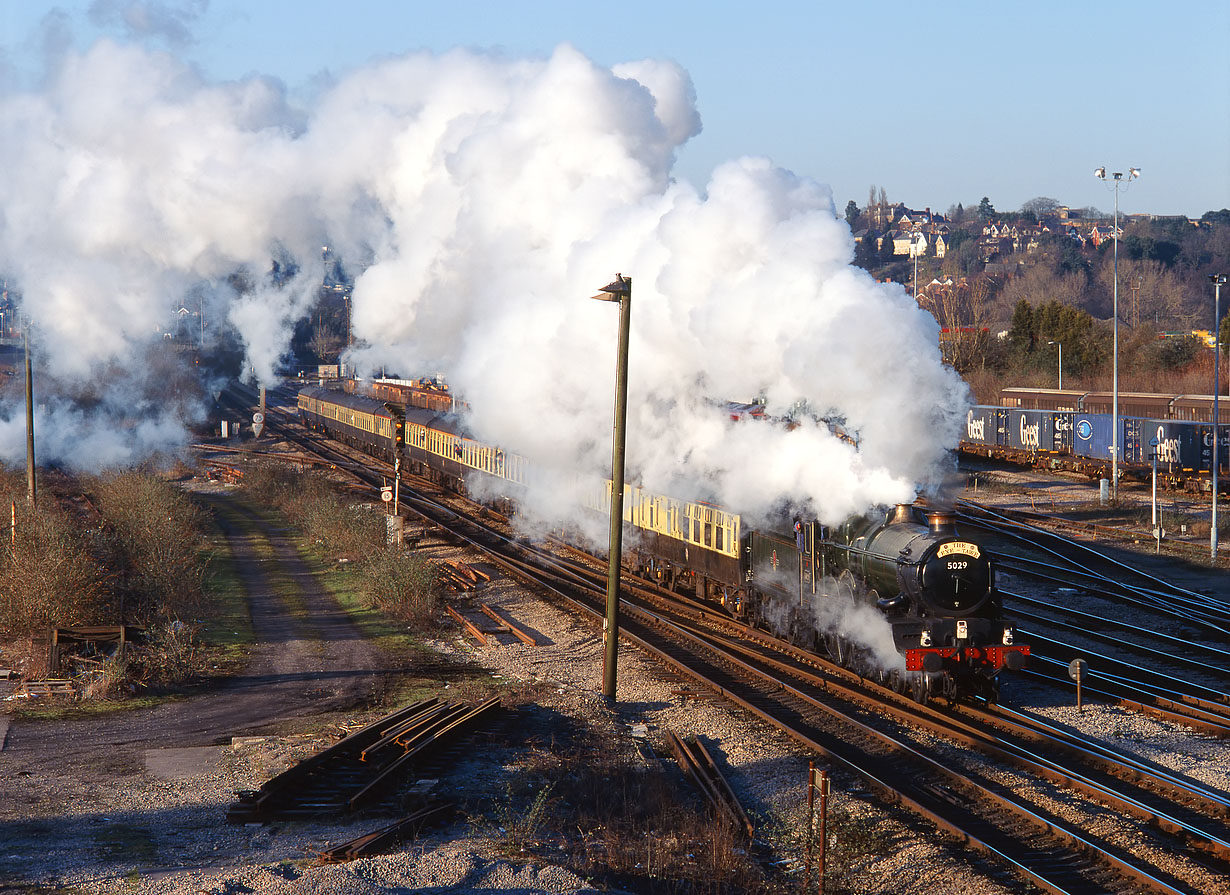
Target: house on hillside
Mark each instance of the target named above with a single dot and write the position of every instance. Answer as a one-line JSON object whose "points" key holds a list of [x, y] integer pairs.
{"points": [[1099, 233], [992, 247], [909, 243]]}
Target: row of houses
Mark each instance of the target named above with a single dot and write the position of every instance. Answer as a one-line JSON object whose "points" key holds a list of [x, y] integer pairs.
{"points": [[924, 233], [913, 232]]}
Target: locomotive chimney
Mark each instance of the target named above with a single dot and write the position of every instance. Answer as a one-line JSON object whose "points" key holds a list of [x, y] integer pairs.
{"points": [[942, 523], [902, 512]]}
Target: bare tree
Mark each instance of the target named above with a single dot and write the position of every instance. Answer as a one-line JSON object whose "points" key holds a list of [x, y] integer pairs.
{"points": [[1150, 292], [325, 343], [1041, 283], [1040, 205], [961, 308]]}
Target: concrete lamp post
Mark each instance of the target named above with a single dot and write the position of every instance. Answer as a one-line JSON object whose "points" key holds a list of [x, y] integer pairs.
{"points": [[619, 290], [1060, 344]]}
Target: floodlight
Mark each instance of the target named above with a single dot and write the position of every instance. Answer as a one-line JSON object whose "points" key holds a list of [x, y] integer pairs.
{"points": [[1100, 173]]}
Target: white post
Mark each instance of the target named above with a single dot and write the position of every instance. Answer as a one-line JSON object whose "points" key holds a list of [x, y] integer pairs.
{"points": [[1117, 177], [1157, 531], [1217, 279]]}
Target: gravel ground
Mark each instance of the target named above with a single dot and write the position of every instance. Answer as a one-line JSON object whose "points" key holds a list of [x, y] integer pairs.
{"points": [[159, 826]]}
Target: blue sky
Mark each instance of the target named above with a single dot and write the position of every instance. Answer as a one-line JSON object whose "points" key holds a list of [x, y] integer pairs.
{"points": [[936, 102]]}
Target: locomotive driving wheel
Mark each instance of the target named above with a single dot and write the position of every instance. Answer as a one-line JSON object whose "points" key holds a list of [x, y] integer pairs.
{"points": [[950, 690], [920, 688]]}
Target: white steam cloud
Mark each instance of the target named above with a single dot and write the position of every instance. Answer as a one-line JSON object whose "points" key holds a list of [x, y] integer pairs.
{"points": [[480, 200]]}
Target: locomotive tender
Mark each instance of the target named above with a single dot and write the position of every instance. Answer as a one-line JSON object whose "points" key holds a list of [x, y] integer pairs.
{"points": [[934, 589]]}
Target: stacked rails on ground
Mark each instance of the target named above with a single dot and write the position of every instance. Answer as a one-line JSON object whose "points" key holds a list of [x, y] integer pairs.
{"points": [[388, 837], [364, 768]]}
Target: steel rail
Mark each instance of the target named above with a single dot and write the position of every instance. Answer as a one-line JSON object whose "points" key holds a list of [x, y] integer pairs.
{"points": [[1218, 801], [923, 798], [1078, 547], [1127, 646], [1184, 643], [1104, 760], [1161, 707], [868, 774], [1207, 699], [1070, 569], [1107, 588]]}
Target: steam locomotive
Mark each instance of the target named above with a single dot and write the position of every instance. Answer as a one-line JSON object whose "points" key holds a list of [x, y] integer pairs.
{"points": [[909, 567], [902, 598]]}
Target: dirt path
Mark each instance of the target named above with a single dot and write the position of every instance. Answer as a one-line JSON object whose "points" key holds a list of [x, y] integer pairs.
{"points": [[307, 659]]}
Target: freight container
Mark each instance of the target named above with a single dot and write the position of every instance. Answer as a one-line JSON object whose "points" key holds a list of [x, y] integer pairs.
{"points": [[1091, 435]]}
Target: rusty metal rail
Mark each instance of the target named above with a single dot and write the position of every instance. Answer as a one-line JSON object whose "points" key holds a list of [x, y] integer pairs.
{"points": [[513, 629], [472, 628], [415, 741], [699, 767], [363, 767], [388, 837]]}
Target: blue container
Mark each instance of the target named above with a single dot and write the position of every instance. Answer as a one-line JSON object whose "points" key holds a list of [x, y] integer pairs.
{"points": [[1091, 435], [1060, 425], [1204, 447], [1177, 443], [1025, 429], [986, 426]]}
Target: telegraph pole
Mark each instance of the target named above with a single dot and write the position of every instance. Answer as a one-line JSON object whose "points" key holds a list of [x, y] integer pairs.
{"points": [[30, 489]]}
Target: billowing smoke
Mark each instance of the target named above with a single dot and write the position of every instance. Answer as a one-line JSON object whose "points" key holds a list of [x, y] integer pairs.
{"points": [[833, 610], [480, 200]]}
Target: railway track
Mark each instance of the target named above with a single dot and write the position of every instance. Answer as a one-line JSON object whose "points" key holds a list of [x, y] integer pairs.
{"points": [[853, 725], [1151, 645]]}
